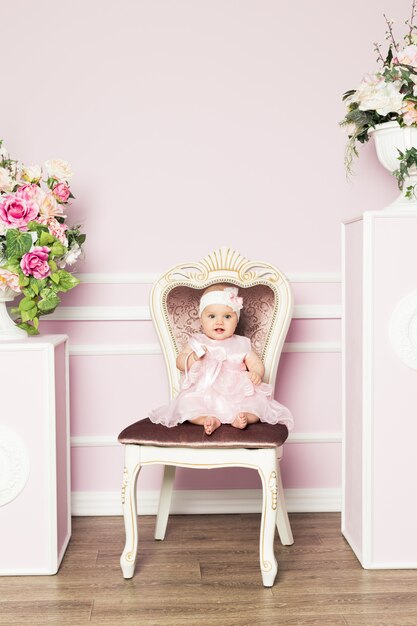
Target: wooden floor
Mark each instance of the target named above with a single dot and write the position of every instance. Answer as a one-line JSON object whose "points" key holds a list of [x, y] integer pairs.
{"points": [[206, 573]]}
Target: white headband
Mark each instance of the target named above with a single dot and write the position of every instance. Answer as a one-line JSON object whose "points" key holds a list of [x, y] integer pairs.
{"points": [[228, 297]]}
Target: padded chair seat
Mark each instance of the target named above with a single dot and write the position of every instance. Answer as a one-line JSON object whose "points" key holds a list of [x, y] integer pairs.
{"points": [[259, 435]]}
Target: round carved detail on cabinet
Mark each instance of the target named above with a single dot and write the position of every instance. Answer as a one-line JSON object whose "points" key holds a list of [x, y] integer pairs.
{"points": [[14, 464], [403, 330]]}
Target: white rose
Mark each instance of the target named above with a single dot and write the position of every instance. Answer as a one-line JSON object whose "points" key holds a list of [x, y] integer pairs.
{"points": [[71, 256], [407, 56], [6, 182], [59, 169], [48, 206], [414, 79], [374, 94], [31, 173]]}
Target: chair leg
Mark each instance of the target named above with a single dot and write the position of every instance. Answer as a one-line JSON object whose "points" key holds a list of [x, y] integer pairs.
{"points": [[129, 501], [164, 501], [267, 469], [283, 523]]}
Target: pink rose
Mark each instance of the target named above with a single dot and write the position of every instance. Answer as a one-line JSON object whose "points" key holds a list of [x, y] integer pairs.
{"points": [[61, 192], [28, 192], [17, 212], [35, 263], [55, 228]]}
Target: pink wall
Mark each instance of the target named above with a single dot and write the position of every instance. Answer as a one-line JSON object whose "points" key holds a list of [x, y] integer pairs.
{"points": [[189, 125]]}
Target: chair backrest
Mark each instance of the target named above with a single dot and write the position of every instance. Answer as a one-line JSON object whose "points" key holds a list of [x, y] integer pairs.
{"points": [[265, 318]]}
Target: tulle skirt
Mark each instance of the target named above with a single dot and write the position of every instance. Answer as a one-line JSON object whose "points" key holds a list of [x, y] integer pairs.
{"points": [[222, 390]]}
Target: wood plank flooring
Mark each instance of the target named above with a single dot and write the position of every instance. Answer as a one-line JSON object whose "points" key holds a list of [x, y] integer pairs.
{"points": [[206, 573]]}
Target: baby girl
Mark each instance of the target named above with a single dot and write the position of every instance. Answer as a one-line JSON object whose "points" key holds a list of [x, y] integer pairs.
{"points": [[222, 382]]}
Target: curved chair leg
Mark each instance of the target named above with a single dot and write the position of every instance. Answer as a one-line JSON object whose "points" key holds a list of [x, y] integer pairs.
{"points": [[129, 501], [164, 501], [283, 523], [268, 472]]}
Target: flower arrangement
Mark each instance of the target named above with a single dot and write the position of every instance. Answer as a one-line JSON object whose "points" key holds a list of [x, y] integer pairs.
{"points": [[36, 245], [390, 94]]}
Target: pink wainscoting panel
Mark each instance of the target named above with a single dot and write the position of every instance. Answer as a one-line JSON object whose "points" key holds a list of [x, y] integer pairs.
{"points": [[101, 469], [103, 331], [110, 392], [309, 384], [317, 292], [314, 330], [311, 466], [305, 466], [107, 294]]}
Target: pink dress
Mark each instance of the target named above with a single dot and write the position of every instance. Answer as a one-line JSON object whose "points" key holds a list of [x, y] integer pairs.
{"points": [[218, 385]]}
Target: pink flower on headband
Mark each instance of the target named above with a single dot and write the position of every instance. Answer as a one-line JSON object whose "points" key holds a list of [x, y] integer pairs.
{"points": [[235, 300]]}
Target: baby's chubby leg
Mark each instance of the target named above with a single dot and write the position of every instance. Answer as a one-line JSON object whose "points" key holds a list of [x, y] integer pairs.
{"points": [[243, 419], [209, 422]]}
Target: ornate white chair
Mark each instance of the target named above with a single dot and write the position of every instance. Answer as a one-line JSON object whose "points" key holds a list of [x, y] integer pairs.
{"points": [[265, 320]]}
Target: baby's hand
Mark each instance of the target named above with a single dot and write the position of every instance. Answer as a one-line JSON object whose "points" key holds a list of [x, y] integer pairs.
{"points": [[255, 378], [197, 355]]}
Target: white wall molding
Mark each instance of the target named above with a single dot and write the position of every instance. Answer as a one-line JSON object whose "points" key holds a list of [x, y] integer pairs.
{"points": [[154, 348], [99, 441], [101, 313], [142, 313], [217, 501], [148, 278]]}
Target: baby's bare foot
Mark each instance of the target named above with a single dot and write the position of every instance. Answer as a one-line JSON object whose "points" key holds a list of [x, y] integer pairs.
{"points": [[211, 423], [240, 421]]}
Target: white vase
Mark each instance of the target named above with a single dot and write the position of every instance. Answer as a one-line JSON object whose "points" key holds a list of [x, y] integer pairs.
{"points": [[8, 329], [389, 138]]}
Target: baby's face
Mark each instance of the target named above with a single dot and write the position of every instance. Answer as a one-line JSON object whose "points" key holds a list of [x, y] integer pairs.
{"points": [[218, 321]]}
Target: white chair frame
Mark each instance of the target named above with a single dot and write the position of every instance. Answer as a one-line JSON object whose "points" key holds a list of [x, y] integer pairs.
{"points": [[222, 266]]}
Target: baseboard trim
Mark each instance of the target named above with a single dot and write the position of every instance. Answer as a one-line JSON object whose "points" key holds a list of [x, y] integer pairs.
{"points": [[207, 501]]}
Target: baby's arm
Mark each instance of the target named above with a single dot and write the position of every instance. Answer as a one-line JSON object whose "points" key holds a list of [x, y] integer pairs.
{"points": [[255, 367], [187, 352]]}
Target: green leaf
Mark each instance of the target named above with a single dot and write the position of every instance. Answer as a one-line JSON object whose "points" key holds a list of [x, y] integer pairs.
{"points": [[38, 228], [55, 277], [36, 322], [17, 243], [23, 280], [52, 265], [26, 304], [46, 239], [49, 301], [36, 284], [29, 315], [31, 330], [28, 291], [66, 280], [58, 249]]}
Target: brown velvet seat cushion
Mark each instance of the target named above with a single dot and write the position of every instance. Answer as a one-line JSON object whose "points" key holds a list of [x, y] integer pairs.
{"points": [[259, 435]]}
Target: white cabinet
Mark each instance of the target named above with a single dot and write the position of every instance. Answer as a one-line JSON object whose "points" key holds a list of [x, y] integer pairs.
{"points": [[379, 517], [35, 513]]}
